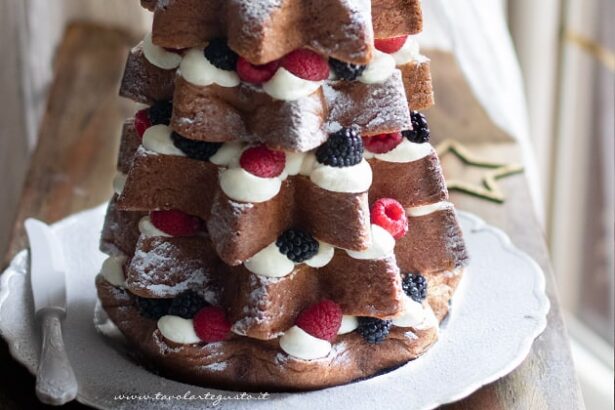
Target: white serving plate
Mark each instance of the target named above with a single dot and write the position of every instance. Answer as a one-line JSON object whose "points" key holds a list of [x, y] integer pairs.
{"points": [[499, 310]]}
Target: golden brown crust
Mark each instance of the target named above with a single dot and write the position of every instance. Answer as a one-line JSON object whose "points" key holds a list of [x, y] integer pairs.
{"points": [[392, 18], [417, 82], [145, 83]]}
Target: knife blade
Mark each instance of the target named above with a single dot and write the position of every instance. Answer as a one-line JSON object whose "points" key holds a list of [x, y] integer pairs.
{"points": [[56, 383]]}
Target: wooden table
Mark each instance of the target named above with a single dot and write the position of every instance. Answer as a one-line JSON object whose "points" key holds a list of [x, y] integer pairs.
{"points": [[74, 164]]}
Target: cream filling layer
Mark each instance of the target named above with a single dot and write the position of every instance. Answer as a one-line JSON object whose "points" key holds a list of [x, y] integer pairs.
{"points": [[410, 51], [112, 270], [178, 330], [379, 69], [158, 139], [349, 324], [382, 245], [354, 179], [300, 344], [428, 209], [286, 86], [416, 315], [197, 70], [240, 185], [272, 263], [119, 182], [405, 152], [158, 56], [147, 229]]}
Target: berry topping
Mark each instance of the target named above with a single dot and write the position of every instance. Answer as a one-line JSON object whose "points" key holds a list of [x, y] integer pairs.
{"points": [[346, 71], [142, 122], [382, 143], [374, 330], [160, 113], [199, 150], [211, 325], [390, 45], [153, 308], [306, 64], [297, 245], [220, 55], [321, 320], [390, 215], [415, 286], [256, 74], [263, 162], [175, 223], [187, 304], [343, 149], [419, 133]]}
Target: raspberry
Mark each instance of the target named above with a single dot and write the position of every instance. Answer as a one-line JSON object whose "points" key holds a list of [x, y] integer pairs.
{"points": [[153, 308], [379, 144], [187, 304], [256, 74], [343, 149], [374, 330], [263, 162], [175, 223], [160, 113], [346, 71], [211, 325], [199, 150], [306, 64], [142, 122], [321, 320], [297, 245], [415, 286], [390, 45], [419, 134], [220, 55], [390, 215]]}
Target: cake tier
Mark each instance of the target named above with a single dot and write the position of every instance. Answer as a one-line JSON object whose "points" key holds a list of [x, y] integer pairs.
{"points": [[265, 31]]}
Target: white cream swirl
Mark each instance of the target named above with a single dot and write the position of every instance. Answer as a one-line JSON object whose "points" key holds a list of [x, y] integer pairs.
{"points": [[405, 151], [300, 344], [428, 209], [416, 315], [379, 69], [197, 70], [119, 182], [112, 270], [382, 246], [349, 324], [178, 330], [354, 179], [228, 154], [158, 56], [158, 139], [286, 86], [410, 51], [148, 230], [270, 262], [240, 185], [323, 257]]}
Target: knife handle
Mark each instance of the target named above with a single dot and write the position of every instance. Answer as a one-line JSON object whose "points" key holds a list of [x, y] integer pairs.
{"points": [[55, 380]]}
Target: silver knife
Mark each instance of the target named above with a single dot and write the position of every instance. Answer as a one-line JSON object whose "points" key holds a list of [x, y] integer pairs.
{"points": [[55, 380]]}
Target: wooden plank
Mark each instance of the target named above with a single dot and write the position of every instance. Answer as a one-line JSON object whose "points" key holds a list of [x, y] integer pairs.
{"points": [[72, 170]]}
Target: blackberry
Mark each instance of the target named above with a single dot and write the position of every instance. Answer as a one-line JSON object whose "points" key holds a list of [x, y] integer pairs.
{"points": [[374, 330], [160, 113], [220, 55], [199, 150], [187, 305], [415, 286], [297, 245], [419, 133], [153, 308], [343, 149], [346, 71]]}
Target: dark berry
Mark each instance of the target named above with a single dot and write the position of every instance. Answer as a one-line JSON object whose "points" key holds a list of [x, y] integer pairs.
{"points": [[343, 149], [160, 113], [419, 133], [187, 305], [220, 55], [415, 286], [374, 330], [199, 150], [153, 308], [297, 245], [346, 71]]}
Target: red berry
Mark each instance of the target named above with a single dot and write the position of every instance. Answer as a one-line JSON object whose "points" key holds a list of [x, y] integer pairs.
{"points": [[256, 74], [379, 144], [390, 215], [306, 64], [142, 122], [175, 223], [321, 320], [263, 162], [210, 324], [390, 45]]}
